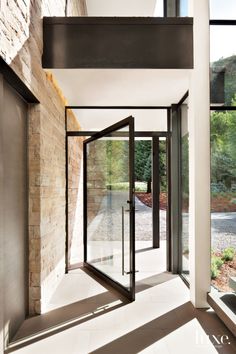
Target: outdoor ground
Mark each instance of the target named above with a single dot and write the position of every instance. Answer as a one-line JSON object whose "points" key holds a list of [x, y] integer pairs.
{"points": [[228, 269], [146, 198], [223, 223], [219, 203]]}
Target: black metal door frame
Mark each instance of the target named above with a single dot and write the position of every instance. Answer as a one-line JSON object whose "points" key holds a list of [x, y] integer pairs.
{"points": [[127, 122], [152, 134]]}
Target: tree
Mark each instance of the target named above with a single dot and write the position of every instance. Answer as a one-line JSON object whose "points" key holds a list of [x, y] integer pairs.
{"points": [[223, 148], [148, 173], [117, 157], [143, 162]]}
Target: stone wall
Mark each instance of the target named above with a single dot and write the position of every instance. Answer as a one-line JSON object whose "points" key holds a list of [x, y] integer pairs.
{"points": [[75, 200], [21, 47], [96, 177], [75, 193]]}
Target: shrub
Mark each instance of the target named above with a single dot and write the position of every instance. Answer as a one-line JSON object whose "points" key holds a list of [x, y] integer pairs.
{"points": [[218, 187], [228, 254], [214, 271], [233, 187], [216, 263]]}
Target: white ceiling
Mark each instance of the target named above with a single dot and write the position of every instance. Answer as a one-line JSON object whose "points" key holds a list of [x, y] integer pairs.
{"points": [[122, 87], [144, 120], [121, 7]]}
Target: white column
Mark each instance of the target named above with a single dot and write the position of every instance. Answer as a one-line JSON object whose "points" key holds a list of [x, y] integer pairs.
{"points": [[199, 158], [2, 270]]}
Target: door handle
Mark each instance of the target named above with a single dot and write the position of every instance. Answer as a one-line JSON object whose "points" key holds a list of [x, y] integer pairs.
{"points": [[123, 242], [131, 272], [131, 206]]}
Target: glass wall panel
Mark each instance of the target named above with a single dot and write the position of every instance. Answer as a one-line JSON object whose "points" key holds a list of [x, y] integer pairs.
{"points": [[183, 9], [223, 65], [163, 187], [177, 8], [223, 200], [144, 191], [222, 9], [108, 208], [184, 191]]}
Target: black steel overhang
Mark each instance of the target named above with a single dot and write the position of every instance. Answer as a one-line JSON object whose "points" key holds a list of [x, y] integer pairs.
{"points": [[117, 42]]}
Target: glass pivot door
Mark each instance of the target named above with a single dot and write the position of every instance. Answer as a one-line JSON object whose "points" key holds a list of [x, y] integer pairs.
{"points": [[109, 235]]}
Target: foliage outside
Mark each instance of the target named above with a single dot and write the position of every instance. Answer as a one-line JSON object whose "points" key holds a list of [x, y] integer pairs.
{"points": [[228, 254], [143, 163]]}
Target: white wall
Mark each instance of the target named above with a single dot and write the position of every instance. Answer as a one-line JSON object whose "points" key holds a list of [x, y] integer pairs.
{"points": [[199, 158]]}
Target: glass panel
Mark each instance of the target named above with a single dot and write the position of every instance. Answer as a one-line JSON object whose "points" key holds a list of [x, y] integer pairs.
{"points": [[163, 188], [185, 190], [223, 65], [223, 9], [223, 200], [108, 213], [183, 8], [177, 8], [143, 186]]}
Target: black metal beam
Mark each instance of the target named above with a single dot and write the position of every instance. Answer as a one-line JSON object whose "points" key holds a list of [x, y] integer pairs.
{"points": [[175, 187], [155, 193], [223, 22], [223, 108], [168, 211], [118, 107], [118, 42], [141, 134], [11, 77], [181, 101]]}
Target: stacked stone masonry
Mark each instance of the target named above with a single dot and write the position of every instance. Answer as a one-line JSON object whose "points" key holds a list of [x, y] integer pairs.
{"points": [[21, 47], [75, 194]]}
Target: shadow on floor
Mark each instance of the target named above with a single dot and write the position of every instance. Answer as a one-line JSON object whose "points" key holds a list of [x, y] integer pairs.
{"points": [[40, 327], [154, 280], [143, 337]]}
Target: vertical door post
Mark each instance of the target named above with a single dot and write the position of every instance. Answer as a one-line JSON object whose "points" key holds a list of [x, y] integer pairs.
{"points": [[155, 193]]}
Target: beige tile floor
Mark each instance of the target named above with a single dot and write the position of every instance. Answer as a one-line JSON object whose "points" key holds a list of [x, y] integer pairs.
{"points": [[86, 316]]}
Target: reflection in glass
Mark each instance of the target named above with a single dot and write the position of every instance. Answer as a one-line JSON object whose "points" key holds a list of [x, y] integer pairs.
{"points": [[163, 188], [185, 190], [108, 236], [223, 200], [223, 65]]}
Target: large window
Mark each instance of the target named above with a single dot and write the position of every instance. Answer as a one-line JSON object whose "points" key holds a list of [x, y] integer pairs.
{"points": [[223, 200], [223, 149], [184, 249], [223, 65]]}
